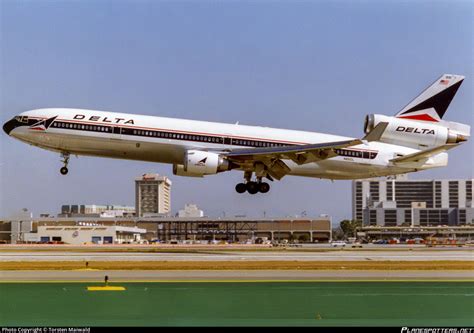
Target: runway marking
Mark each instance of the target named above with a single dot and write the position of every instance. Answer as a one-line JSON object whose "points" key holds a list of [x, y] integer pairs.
{"points": [[106, 288]]}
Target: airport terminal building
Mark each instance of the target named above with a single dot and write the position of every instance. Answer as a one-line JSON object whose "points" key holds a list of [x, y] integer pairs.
{"points": [[102, 230], [85, 234], [150, 220], [416, 203]]}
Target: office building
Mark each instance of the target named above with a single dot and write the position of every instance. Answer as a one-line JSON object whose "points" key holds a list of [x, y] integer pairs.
{"points": [[96, 211], [190, 210], [403, 202], [152, 195]]}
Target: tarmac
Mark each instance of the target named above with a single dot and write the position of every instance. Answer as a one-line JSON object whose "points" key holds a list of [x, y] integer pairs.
{"points": [[334, 255], [87, 275], [339, 255]]}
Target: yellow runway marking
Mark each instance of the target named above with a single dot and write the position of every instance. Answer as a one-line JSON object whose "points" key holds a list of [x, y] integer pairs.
{"points": [[108, 288]]}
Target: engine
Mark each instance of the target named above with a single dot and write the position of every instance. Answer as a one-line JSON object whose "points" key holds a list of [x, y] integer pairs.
{"points": [[412, 133], [198, 163]]}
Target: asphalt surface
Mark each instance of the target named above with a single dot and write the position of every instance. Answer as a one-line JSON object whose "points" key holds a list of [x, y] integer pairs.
{"points": [[234, 275], [337, 255]]}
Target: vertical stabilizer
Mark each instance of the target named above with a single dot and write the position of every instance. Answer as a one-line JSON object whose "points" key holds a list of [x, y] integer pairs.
{"points": [[431, 104]]}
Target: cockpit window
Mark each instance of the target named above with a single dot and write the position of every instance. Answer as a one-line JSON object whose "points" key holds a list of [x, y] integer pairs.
{"points": [[22, 119]]}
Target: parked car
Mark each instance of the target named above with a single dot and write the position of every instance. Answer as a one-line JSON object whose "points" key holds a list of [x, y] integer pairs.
{"points": [[338, 244], [419, 240], [356, 245]]}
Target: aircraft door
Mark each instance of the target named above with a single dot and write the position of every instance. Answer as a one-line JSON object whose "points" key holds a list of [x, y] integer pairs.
{"points": [[118, 132]]}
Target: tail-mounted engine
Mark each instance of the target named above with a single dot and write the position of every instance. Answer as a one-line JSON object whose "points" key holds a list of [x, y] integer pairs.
{"points": [[417, 134]]}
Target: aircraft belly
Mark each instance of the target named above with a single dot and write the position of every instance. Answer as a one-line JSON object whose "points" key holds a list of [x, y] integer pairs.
{"points": [[160, 152], [338, 169], [150, 150], [173, 152]]}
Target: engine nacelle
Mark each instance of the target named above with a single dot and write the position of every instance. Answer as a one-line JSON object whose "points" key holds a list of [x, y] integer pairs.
{"points": [[178, 170], [412, 133], [198, 163]]}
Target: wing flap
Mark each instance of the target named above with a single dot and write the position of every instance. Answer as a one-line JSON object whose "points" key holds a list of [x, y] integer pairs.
{"points": [[297, 153], [272, 157], [277, 169]]}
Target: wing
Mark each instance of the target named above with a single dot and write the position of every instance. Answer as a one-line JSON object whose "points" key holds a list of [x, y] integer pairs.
{"points": [[423, 155], [270, 159]]}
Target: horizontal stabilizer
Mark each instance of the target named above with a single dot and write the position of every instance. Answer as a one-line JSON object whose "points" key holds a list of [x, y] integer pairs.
{"points": [[422, 155]]}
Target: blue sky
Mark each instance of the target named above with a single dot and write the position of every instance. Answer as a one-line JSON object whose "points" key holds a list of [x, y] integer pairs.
{"points": [[317, 66]]}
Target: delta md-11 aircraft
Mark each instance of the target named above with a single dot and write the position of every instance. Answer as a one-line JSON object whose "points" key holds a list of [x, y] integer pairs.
{"points": [[415, 139]]}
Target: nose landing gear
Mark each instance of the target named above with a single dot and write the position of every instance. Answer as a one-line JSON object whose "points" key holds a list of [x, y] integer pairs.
{"points": [[65, 159]]}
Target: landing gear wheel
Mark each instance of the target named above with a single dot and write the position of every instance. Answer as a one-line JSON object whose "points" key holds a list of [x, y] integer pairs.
{"points": [[65, 160], [252, 187], [240, 188], [263, 187]]}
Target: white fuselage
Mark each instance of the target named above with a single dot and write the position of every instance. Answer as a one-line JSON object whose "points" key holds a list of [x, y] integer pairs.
{"points": [[166, 140]]}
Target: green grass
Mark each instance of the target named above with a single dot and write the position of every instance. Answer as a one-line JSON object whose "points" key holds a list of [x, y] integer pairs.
{"points": [[233, 304]]}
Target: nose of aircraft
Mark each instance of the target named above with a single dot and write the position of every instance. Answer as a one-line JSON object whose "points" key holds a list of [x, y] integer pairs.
{"points": [[9, 126]]}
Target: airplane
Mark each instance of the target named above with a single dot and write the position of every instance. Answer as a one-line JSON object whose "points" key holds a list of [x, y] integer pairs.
{"points": [[415, 139]]}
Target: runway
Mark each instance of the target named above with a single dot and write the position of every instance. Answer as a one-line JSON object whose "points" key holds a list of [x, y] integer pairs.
{"points": [[233, 275], [338, 255]]}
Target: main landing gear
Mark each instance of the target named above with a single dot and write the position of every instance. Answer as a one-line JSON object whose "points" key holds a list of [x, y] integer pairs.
{"points": [[252, 187], [65, 159]]}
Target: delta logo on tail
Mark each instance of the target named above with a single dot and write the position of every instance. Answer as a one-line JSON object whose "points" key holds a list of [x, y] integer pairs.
{"points": [[43, 125], [431, 104]]}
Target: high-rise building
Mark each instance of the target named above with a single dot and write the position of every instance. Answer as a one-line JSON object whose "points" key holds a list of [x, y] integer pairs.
{"points": [[152, 195], [393, 202]]}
